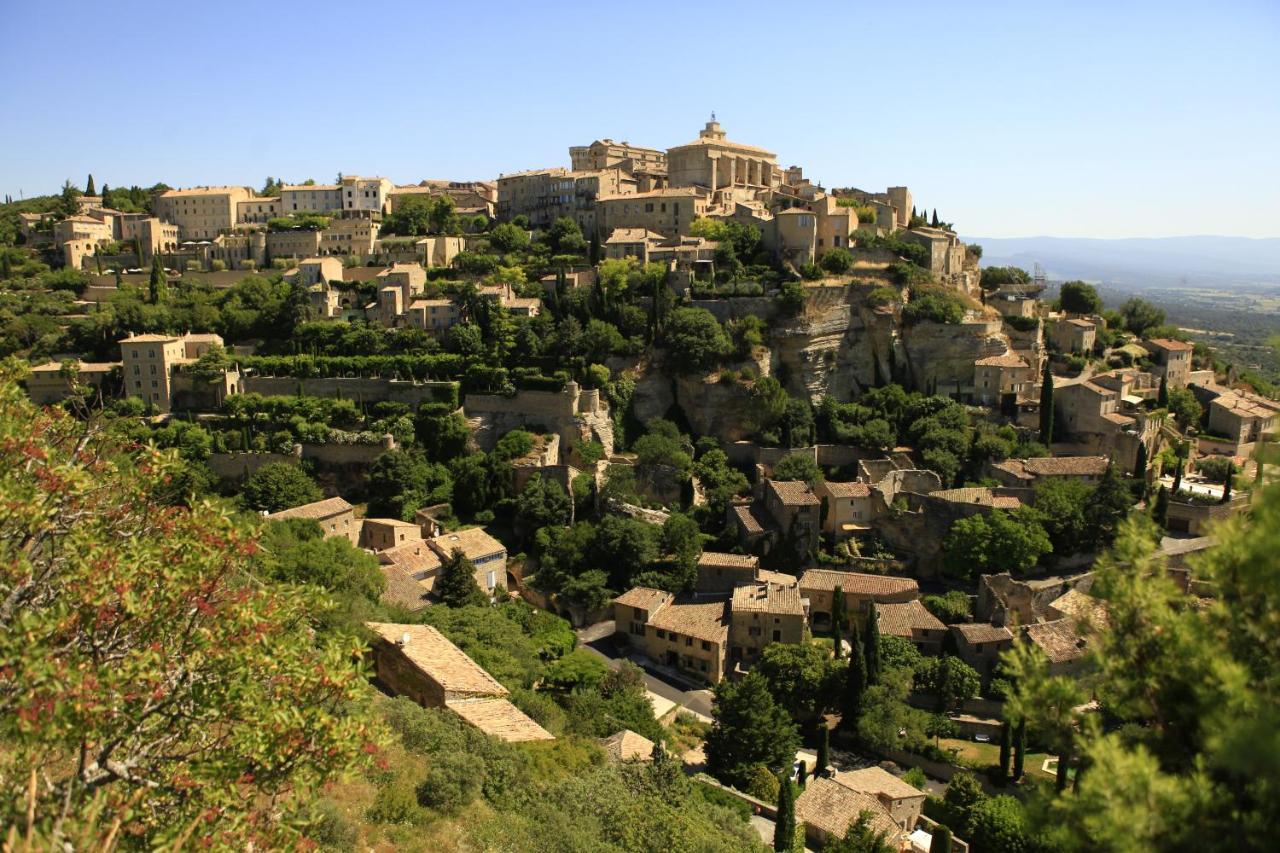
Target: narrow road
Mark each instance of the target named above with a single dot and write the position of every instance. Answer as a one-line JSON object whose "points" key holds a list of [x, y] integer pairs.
{"points": [[598, 639]]}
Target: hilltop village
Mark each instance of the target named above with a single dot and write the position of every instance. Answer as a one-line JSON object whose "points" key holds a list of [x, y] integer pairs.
{"points": [[670, 454]]}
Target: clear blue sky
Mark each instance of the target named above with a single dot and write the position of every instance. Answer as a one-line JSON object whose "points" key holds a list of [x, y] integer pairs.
{"points": [[1104, 119]]}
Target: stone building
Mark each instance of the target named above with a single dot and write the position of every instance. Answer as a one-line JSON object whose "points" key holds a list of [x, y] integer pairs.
{"points": [[849, 508], [1029, 473], [201, 213], [912, 621], [763, 613], [1001, 378], [714, 162], [607, 154], [721, 573], [692, 637], [668, 212], [151, 363], [55, 381], [795, 511], [1074, 335], [980, 645], [1172, 360], [335, 516], [488, 555], [545, 195], [828, 808], [419, 662], [860, 592], [379, 534]]}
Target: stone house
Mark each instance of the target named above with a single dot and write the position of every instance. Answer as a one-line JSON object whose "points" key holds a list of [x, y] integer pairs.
{"points": [[151, 364], [847, 508], [1074, 335], [721, 573], [980, 645], [1172, 358], [903, 802], [52, 381], [999, 376], [335, 516], [912, 621], [201, 213], [487, 554], [860, 592], [419, 662], [794, 510], [607, 154], [1062, 644], [437, 316], [1242, 417], [763, 613], [1028, 473], [668, 212], [319, 271], [380, 534], [828, 807], [691, 636]]}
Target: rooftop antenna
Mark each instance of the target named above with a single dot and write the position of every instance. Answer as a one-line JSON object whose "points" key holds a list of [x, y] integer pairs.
{"points": [[713, 115], [1038, 274]]}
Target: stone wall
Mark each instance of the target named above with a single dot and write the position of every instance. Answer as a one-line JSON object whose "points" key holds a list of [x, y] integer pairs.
{"points": [[737, 307], [358, 388]]}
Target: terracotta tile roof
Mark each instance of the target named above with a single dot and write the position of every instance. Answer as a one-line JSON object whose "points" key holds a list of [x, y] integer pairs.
{"points": [[1058, 640], [777, 578], [202, 191], [389, 522], [1083, 324], [80, 367], [1066, 466], [876, 781], [794, 492], [1245, 404], [148, 339], [1013, 467], [1169, 344], [901, 620], [644, 598], [414, 557], [307, 187], [402, 590], [979, 495], [475, 543], [1117, 418], [749, 519], [703, 141], [848, 490], [632, 235], [833, 808], [857, 582], [318, 509], [498, 717], [767, 598], [982, 632], [1006, 360], [1000, 502], [1085, 611], [700, 620], [626, 745], [439, 659], [718, 559]]}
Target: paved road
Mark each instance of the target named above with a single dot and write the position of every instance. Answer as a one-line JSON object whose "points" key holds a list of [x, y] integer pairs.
{"points": [[598, 639]]}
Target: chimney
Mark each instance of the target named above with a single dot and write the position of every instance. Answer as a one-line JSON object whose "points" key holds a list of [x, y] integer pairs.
{"points": [[404, 639]]}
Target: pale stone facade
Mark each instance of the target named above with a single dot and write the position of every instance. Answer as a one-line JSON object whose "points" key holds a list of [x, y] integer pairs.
{"points": [[201, 213]]}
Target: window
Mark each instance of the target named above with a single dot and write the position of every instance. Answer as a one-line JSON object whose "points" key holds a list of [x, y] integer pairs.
{"points": [[978, 647], [662, 635], [706, 647], [777, 636], [688, 641]]}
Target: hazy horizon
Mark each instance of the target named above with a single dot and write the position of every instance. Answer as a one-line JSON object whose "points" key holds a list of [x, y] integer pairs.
{"points": [[1089, 121]]}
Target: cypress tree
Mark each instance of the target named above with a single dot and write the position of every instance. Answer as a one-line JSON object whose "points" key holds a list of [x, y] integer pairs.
{"points": [[941, 840], [784, 829], [1006, 750], [105, 192], [1140, 468], [158, 286], [1046, 405], [837, 621], [1019, 749], [871, 646], [88, 187], [1226, 487], [855, 685], [1160, 514], [824, 750], [1162, 398], [934, 221], [1177, 474], [1064, 765]]}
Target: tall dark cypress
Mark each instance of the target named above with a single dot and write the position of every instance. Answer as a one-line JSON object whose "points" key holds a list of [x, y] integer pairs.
{"points": [[837, 621], [1019, 749], [784, 829], [1140, 467], [855, 685], [88, 186], [1006, 750], [1046, 406], [871, 646], [824, 750]]}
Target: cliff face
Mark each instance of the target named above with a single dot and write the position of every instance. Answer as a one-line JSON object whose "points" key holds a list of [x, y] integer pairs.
{"points": [[941, 356]]}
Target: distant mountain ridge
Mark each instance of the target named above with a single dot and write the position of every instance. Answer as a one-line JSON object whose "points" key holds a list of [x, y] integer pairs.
{"points": [[1139, 261]]}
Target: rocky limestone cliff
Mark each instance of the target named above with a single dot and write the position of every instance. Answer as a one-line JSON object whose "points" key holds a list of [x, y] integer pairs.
{"points": [[940, 357]]}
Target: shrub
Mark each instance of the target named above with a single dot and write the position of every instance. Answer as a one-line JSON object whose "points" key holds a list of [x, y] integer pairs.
{"points": [[934, 305], [882, 296], [763, 785]]}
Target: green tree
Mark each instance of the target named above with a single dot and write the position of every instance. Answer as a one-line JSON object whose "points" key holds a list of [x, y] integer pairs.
{"points": [[1061, 504], [157, 285], [798, 466], [993, 278], [1184, 407], [823, 760], [837, 261], [951, 608], [1000, 823], [543, 503], [442, 433], [855, 686], [1160, 510], [278, 486], [1140, 465], [695, 339], [1079, 297], [837, 622], [860, 837], [871, 644], [996, 541], [153, 676], [1046, 405], [950, 679], [456, 586], [1019, 749], [941, 842], [1162, 397], [1006, 750], [749, 730], [508, 238], [799, 677], [1140, 315], [1108, 506], [784, 829]]}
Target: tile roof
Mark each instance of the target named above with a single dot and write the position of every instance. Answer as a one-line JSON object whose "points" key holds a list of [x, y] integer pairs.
{"points": [[1085, 611], [79, 366], [1058, 640], [1060, 466], [644, 598], [777, 578], [498, 717], [148, 339], [767, 598], [439, 659], [794, 492], [631, 235], [474, 543], [703, 141], [202, 191], [1006, 360], [318, 509], [402, 589], [1245, 404], [876, 780], [1083, 324], [848, 490], [749, 518], [702, 620], [626, 745], [901, 620], [1169, 344], [833, 808], [719, 559], [1117, 418], [982, 632], [857, 583], [979, 495], [414, 557]]}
